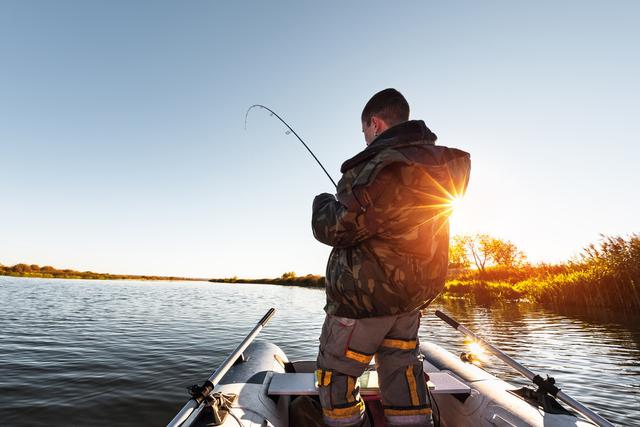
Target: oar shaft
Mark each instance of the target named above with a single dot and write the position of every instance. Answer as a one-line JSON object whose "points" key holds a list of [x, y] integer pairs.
{"points": [[498, 353], [194, 416], [184, 413], [183, 417], [228, 362], [593, 416]]}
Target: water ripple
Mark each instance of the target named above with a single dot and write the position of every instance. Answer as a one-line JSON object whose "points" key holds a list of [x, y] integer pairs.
{"points": [[116, 353]]}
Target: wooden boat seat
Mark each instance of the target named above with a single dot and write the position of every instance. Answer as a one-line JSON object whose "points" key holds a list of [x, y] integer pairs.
{"points": [[299, 384]]}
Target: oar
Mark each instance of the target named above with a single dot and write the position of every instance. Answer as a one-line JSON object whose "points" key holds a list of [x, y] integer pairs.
{"points": [[194, 406], [546, 385]]}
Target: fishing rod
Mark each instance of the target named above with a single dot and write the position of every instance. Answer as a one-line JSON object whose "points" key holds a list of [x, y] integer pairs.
{"points": [[196, 404], [273, 113], [546, 385]]}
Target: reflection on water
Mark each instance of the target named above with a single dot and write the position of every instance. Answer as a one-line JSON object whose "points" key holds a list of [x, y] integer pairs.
{"points": [[105, 353]]}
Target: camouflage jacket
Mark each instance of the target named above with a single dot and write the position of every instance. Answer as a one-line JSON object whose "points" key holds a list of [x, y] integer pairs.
{"points": [[389, 225]]}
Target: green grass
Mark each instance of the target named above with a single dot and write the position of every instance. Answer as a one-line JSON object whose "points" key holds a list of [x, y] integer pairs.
{"points": [[482, 291]]}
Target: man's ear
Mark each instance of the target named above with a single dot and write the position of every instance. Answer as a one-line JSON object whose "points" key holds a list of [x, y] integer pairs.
{"points": [[379, 125]]}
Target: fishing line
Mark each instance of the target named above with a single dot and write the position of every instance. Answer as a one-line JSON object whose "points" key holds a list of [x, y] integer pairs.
{"points": [[273, 113]]}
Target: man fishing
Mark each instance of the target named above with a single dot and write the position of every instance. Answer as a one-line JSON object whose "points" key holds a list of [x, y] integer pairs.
{"points": [[389, 229]]}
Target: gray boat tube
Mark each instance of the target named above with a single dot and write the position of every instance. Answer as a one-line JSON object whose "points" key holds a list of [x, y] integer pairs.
{"points": [[194, 406], [546, 385]]}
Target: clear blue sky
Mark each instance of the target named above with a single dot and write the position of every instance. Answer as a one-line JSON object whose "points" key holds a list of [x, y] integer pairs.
{"points": [[123, 148]]}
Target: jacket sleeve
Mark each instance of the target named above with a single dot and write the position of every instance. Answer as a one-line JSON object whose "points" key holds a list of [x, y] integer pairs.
{"points": [[336, 224], [353, 218]]}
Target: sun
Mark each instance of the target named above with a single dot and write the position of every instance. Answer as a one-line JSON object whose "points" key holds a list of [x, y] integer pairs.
{"points": [[457, 213], [455, 203]]}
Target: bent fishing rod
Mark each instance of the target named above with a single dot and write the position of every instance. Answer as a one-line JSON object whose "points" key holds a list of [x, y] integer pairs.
{"points": [[200, 394], [273, 113], [546, 385]]}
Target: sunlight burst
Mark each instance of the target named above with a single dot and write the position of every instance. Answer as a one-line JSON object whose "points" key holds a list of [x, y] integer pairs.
{"points": [[475, 353], [455, 203]]}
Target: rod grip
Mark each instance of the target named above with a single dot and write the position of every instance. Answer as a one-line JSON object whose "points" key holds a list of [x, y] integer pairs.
{"points": [[447, 319], [265, 319]]}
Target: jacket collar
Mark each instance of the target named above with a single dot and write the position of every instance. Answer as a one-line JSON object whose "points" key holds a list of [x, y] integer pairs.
{"points": [[412, 132]]}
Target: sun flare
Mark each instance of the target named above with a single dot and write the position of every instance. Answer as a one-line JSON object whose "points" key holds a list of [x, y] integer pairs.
{"points": [[455, 203], [475, 353], [457, 213], [476, 348]]}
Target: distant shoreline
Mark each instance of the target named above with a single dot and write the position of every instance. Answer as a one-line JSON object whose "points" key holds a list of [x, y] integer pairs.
{"points": [[258, 282], [140, 278], [287, 279], [48, 272], [498, 285], [608, 275]]}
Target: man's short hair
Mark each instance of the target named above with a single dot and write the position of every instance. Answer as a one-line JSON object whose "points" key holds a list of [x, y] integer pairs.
{"points": [[389, 105]]}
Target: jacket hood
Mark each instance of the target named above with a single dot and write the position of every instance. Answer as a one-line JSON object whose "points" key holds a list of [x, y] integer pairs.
{"points": [[412, 132]]}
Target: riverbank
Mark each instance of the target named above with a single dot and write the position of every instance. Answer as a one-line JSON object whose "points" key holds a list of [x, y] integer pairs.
{"points": [[607, 275]]}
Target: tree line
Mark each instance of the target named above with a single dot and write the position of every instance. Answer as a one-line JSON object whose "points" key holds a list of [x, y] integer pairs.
{"points": [[47, 271]]}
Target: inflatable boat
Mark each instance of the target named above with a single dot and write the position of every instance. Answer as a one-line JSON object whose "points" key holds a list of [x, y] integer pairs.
{"points": [[257, 385]]}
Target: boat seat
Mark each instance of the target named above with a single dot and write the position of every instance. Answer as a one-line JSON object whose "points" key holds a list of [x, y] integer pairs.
{"points": [[304, 384]]}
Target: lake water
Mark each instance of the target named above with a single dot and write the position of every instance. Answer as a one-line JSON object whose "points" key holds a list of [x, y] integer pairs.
{"points": [[121, 353]]}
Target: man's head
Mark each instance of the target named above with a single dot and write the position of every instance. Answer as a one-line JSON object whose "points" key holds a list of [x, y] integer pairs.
{"points": [[385, 109]]}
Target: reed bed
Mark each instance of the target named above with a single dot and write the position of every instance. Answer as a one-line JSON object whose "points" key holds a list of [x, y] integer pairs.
{"points": [[606, 275]]}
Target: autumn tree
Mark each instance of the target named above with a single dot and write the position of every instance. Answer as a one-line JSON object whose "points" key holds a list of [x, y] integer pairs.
{"points": [[483, 250], [21, 268], [506, 253], [458, 257], [479, 246], [289, 275]]}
